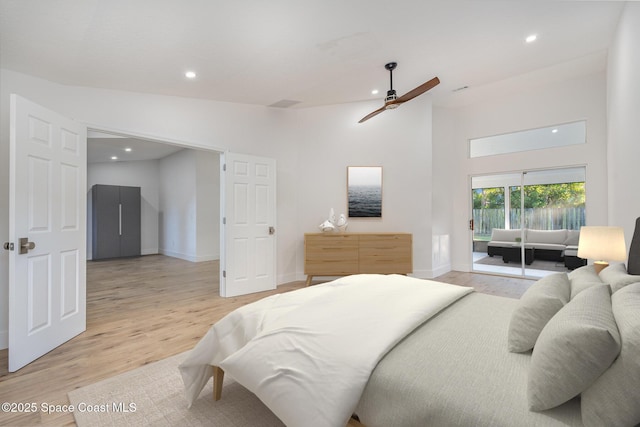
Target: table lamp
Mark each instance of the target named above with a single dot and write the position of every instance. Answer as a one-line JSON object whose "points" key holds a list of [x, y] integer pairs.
{"points": [[600, 244]]}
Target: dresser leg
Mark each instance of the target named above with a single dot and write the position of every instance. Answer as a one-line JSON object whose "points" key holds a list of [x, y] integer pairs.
{"points": [[309, 277]]}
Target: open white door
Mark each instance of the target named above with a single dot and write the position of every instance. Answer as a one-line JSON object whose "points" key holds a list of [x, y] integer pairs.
{"points": [[248, 260], [47, 231]]}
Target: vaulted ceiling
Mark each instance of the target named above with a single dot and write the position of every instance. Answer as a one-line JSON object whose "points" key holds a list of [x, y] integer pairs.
{"points": [[311, 52]]}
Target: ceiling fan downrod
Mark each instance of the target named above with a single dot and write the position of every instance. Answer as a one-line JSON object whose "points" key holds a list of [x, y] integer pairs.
{"points": [[391, 94]]}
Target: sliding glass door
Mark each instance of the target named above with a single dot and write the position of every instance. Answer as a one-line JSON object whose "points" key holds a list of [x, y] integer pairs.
{"points": [[527, 223]]}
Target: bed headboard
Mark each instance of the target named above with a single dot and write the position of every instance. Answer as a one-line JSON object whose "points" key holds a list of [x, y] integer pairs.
{"points": [[633, 265]]}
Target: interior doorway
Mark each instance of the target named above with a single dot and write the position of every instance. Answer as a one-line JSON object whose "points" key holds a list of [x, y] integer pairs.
{"points": [[527, 223], [180, 189]]}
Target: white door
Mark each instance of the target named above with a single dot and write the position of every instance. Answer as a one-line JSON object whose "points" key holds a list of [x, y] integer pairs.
{"points": [[248, 261], [47, 227]]}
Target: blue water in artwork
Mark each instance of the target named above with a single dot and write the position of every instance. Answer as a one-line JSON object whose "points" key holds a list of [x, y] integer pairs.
{"points": [[365, 201]]}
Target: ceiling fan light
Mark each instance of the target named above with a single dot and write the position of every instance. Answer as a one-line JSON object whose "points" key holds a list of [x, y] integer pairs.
{"points": [[389, 103]]}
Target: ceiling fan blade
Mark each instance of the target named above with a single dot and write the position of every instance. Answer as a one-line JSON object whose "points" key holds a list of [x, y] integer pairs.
{"points": [[418, 91], [375, 113]]}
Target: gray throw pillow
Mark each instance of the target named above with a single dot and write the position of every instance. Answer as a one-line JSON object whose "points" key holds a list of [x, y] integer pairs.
{"points": [[614, 399], [536, 307], [573, 350], [616, 275], [583, 278], [584, 272]]}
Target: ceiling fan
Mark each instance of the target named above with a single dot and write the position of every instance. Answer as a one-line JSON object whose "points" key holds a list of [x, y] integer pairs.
{"points": [[392, 101]]}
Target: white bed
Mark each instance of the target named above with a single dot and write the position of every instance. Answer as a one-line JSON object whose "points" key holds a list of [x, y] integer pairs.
{"points": [[406, 360], [308, 354]]}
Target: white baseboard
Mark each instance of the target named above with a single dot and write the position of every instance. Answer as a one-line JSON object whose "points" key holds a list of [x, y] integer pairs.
{"points": [[187, 257], [443, 269], [462, 267], [286, 278], [202, 258], [4, 340], [422, 274], [180, 255], [430, 274]]}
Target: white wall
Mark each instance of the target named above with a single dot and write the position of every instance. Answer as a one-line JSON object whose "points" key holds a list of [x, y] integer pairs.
{"points": [[560, 102], [190, 206], [178, 205], [330, 139], [623, 96], [442, 218], [143, 174], [207, 205]]}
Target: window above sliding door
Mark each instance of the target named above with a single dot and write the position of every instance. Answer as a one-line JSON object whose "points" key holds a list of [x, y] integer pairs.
{"points": [[532, 139]]}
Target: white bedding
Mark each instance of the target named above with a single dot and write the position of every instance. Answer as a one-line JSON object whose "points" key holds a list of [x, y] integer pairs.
{"points": [[308, 354]]}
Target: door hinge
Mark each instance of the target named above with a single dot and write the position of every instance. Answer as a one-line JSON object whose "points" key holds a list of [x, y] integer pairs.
{"points": [[224, 167], [224, 221], [471, 225], [8, 246], [224, 273]]}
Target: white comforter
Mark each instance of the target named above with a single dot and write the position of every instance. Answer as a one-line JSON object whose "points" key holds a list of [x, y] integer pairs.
{"points": [[308, 354]]}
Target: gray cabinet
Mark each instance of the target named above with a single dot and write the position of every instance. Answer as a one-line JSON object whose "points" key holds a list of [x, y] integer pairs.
{"points": [[115, 221]]}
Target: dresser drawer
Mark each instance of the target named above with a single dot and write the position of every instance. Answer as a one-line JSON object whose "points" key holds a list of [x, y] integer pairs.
{"points": [[386, 253], [331, 254], [327, 254]]}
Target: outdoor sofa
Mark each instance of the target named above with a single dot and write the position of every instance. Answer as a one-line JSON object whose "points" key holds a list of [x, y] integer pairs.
{"points": [[551, 245]]}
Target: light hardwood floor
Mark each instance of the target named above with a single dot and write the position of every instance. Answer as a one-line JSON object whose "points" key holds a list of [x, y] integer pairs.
{"points": [[142, 310]]}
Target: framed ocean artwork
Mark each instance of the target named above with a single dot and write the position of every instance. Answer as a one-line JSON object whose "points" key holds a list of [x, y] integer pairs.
{"points": [[364, 191]]}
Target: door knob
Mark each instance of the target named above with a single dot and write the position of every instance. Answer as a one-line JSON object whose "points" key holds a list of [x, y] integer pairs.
{"points": [[272, 230], [26, 245]]}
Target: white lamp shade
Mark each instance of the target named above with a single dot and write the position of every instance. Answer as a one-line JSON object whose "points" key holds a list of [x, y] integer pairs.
{"points": [[602, 244]]}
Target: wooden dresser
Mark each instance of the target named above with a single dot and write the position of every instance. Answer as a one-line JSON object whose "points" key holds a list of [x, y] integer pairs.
{"points": [[342, 254]]}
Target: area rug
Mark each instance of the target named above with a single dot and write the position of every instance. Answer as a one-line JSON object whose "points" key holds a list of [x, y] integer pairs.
{"points": [[153, 395], [537, 264]]}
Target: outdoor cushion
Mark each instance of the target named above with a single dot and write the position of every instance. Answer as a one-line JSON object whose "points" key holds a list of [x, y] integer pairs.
{"points": [[573, 238], [547, 236], [502, 235]]}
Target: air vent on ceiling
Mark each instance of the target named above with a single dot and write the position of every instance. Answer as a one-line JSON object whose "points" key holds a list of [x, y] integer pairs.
{"points": [[284, 103]]}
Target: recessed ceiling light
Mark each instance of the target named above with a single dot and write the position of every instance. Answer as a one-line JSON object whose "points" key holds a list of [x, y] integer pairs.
{"points": [[374, 92], [531, 38], [127, 149], [554, 131], [114, 157], [190, 75]]}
